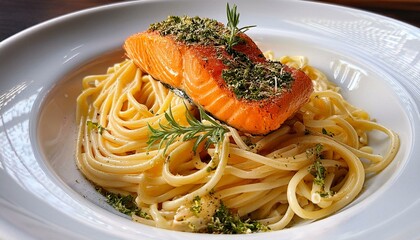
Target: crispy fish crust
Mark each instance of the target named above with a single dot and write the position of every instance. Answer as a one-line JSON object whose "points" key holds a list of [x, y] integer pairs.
{"points": [[196, 69]]}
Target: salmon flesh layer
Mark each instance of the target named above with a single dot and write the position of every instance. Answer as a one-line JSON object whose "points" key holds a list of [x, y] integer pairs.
{"points": [[235, 84]]}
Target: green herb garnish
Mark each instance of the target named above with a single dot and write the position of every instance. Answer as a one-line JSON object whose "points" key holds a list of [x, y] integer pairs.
{"points": [[317, 169], [325, 132], [196, 205], [192, 30], [247, 79], [224, 221], [204, 31], [211, 133], [256, 81], [232, 25], [94, 125], [124, 204]]}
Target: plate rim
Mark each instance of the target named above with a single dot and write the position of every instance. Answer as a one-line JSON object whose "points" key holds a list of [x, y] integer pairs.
{"points": [[25, 33]]}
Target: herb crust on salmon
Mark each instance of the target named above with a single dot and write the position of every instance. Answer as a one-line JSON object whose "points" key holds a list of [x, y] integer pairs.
{"points": [[222, 70]]}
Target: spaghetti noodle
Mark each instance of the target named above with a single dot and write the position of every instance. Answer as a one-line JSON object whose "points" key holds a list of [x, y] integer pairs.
{"points": [[312, 166]]}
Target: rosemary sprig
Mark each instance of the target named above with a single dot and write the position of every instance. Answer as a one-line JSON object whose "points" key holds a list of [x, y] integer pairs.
{"points": [[211, 133], [232, 25]]}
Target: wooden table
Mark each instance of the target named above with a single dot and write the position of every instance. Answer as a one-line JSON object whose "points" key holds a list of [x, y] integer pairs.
{"points": [[17, 15]]}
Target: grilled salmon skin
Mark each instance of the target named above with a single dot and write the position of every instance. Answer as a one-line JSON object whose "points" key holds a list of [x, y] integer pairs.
{"points": [[235, 84]]}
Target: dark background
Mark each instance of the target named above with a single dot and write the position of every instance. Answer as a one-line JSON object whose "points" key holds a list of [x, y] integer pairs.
{"points": [[17, 15]]}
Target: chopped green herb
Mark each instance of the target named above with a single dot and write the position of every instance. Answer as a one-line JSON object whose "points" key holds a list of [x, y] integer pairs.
{"points": [[326, 194], [94, 125], [209, 169], [318, 149], [325, 132], [196, 205], [204, 31], [224, 221], [124, 204], [317, 169], [192, 30], [210, 133], [255, 81]]}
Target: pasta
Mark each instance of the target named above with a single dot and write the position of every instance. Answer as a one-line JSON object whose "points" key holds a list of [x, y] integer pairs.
{"points": [[311, 167]]}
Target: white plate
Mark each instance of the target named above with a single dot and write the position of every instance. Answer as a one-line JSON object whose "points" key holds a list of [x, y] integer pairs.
{"points": [[376, 60]]}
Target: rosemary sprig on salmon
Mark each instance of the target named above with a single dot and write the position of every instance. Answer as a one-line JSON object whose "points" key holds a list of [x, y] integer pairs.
{"points": [[221, 70], [232, 24]]}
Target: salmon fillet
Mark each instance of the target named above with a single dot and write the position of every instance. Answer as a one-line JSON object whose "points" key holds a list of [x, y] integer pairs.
{"points": [[236, 85]]}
